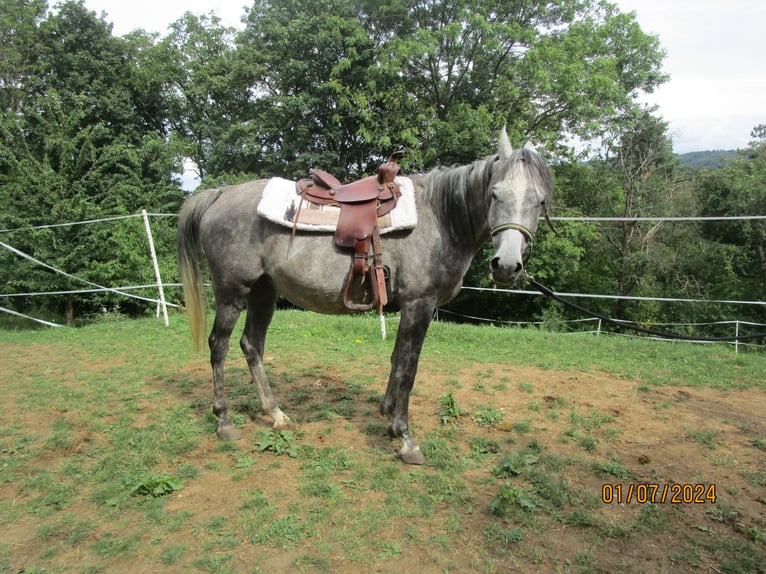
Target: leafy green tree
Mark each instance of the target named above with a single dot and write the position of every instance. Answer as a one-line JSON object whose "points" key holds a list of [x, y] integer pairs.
{"points": [[209, 96], [83, 140], [737, 189], [316, 92], [544, 69]]}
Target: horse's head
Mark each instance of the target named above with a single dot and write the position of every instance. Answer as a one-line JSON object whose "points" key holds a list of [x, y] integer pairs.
{"points": [[520, 192]]}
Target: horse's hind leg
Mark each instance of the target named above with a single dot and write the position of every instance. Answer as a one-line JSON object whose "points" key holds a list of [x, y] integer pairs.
{"points": [[226, 315], [260, 310]]}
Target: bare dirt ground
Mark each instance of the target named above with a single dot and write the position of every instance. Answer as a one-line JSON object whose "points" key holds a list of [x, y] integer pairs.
{"points": [[675, 436]]}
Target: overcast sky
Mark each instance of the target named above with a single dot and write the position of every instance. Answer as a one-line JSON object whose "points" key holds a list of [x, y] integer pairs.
{"points": [[716, 93]]}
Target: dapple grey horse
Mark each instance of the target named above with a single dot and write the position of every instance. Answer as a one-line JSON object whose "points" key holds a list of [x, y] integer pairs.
{"points": [[252, 261]]}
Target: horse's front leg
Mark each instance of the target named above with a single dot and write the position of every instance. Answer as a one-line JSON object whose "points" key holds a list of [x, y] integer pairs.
{"points": [[413, 326]]}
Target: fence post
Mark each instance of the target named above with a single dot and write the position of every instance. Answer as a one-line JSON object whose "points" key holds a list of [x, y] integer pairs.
{"points": [[156, 267], [736, 334], [598, 332]]}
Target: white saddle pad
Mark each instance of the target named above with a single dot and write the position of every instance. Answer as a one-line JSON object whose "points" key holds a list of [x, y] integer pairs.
{"points": [[280, 204]]}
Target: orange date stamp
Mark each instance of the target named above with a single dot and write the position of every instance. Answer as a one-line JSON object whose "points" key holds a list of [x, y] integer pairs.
{"points": [[656, 493]]}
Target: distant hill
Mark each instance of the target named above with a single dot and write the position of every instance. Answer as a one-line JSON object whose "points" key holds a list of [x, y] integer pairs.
{"points": [[710, 159]]}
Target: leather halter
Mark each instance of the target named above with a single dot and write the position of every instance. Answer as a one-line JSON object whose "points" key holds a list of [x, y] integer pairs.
{"points": [[528, 235]]}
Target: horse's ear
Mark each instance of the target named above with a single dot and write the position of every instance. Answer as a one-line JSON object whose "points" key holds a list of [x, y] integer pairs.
{"points": [[504, 144], [530, 147]]}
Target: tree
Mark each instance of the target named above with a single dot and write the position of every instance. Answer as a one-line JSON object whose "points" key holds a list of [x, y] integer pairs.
{"points": [[209, 96], [544, 69], [83, 141], [738, 189], [340, 83], [316, 91]]}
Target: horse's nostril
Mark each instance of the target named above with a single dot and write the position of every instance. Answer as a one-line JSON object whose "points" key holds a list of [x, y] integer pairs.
{"points": [[519, 267], [495, 263]]}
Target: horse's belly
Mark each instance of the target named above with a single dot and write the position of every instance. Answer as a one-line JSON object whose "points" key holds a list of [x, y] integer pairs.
{"points": [[313, 280]]}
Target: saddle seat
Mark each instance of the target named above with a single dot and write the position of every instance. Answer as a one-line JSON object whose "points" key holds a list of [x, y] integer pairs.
{"points": [[361, 203]]}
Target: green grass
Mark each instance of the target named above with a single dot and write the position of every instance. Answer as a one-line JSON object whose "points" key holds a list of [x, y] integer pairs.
{"points": [[108, 454]]}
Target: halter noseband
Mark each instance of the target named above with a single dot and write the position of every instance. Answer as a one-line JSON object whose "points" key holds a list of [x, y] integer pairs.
{"points": [[528, 235]]}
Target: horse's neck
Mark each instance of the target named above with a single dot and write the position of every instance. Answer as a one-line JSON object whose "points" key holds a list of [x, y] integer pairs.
{"points": [[461, 207]]}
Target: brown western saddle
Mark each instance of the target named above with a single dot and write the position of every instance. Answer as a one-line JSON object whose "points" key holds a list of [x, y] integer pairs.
{"points": [[361, 203]]}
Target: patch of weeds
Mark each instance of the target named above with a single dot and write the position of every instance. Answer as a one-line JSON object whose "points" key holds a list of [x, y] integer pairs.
{"points": [[756, 534], [526, 387], [722, 512], [552, 490], [759, 443], [593, 421], [111, 546], [244, 462], [72, 531], [486, 416], [652, 518], [688, 555], [515, 463], [453, 383], [278, 442], [300, 395], [389, 549], [588, 443], [156, 486], [708, 438], [735, 556], [177, 521], [307, 562], [376, 428], [585, 561], [326, 459], [580, 517], [505, 536], [482, 447], [612, 467], [319, 485], [755, 477], [488, 374], [611, 434], [214, 562], [254, 500], [510, 498], [170, 555], [522, 427], [442, 454], [534, 406], [449, 410], [442, 487], [284, 532]]}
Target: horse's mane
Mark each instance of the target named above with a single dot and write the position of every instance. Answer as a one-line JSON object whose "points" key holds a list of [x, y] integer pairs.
{"points": [[461, 194]]}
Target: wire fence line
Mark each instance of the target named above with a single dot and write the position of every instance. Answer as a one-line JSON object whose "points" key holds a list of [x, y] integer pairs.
{"points": [[552, 218], [87, 221], [125, 291]]}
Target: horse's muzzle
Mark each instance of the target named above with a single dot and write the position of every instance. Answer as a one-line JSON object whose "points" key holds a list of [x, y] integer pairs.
{"points": [[505, 272]]}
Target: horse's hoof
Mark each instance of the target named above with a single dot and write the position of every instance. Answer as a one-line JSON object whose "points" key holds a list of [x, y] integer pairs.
{"points": [[285, 425], [228, 433], [282, 421], [412, 455]]}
